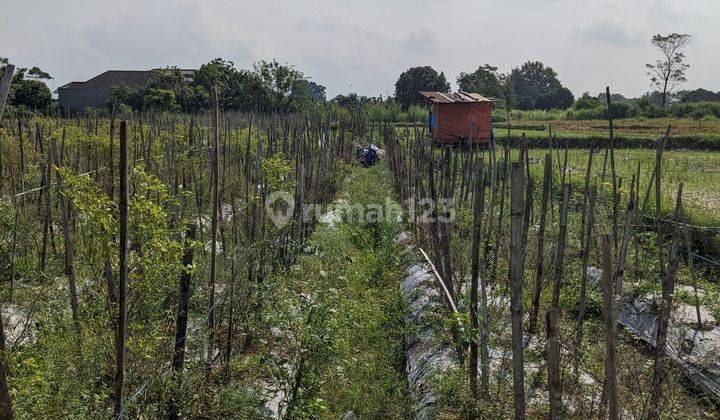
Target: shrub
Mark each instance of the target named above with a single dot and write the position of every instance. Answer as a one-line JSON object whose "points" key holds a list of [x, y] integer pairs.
{"points": [[645, 108], [696, 110], [618, 111], [587, 102], [595, 113]]}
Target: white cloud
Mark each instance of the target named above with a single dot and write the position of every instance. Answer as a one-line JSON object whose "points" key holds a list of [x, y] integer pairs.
{"points": [[609, 32], [422, 40], [364, 45]]}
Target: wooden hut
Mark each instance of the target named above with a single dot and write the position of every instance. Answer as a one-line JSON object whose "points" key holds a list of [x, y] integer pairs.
{"points": [[459, 117]]}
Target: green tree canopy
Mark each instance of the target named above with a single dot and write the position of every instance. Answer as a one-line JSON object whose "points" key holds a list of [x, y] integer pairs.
{"points": [[698, 95], [286, 86], [270, 86], [537, 87], [3, 63], [123, 94], [416, 79], [32, 92], [484, 81], [37, 74], [586, 101], [352, 100], [317, 91], [160, 100]]}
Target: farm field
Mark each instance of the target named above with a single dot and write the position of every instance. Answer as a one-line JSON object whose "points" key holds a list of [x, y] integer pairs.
{"points": [[698, 171], [307, 303], [339, 210], [641, 275], [632, 132]]}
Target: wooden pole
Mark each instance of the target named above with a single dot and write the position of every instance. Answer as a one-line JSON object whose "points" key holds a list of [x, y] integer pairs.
{"points": [[445, 227], [668, 289], [560, 255], [627, 230], [214, 228], [479, 197], [691, 266], [516, 284], [123, 272], [5, 86], [67, 240], [553, 365], [609, 316], [592, 194], [182, 315], [5, 402], [613, 173], [540, 257]]}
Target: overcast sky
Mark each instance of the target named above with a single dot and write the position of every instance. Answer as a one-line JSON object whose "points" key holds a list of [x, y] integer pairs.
{"points": [[362, 46]]}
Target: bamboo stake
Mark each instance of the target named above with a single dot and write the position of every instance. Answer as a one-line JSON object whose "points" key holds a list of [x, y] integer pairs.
{"points": [[627, 230], [560, 255], [610, 325], [592, 195], [5, 402], [214, 231], [123, 272], [479, 197], [451, 301], [516, 284], [5, 86], [182, 316], [445, 227], [691, 265], [540, 255], [613, 173], [668, 289], [553, 365], [68, 242]]}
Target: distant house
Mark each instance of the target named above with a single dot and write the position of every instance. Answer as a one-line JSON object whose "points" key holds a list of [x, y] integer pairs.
{"points": [[459, 117], [95, 93]]}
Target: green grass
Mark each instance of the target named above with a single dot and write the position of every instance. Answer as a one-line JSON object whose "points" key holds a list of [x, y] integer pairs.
{"points": [[698, 171], [629, 133], [351, 327]]}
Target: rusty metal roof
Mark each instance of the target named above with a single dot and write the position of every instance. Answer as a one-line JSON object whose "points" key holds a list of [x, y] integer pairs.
{"points": [[460, 96]]}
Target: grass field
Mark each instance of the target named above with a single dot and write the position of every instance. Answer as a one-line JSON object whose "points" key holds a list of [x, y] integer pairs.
{"points": [[698, 171]]}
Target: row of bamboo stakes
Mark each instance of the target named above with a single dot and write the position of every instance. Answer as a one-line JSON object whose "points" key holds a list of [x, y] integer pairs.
{"points": [[471, 176], [228, 169]]}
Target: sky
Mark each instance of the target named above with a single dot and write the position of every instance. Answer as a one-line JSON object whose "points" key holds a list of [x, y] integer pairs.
{"points": [[363, 45]]}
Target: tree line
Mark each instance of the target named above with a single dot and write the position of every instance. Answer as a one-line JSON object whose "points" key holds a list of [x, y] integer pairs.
{"points": [[530, 86], [270, 86]]}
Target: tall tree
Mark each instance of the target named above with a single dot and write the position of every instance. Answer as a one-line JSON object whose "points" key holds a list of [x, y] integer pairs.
{"points": [[416, 79], [36, 74], [484, 80], [317, 91], [537, 86], [668, 73], [29, 90], [284, 84]]}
